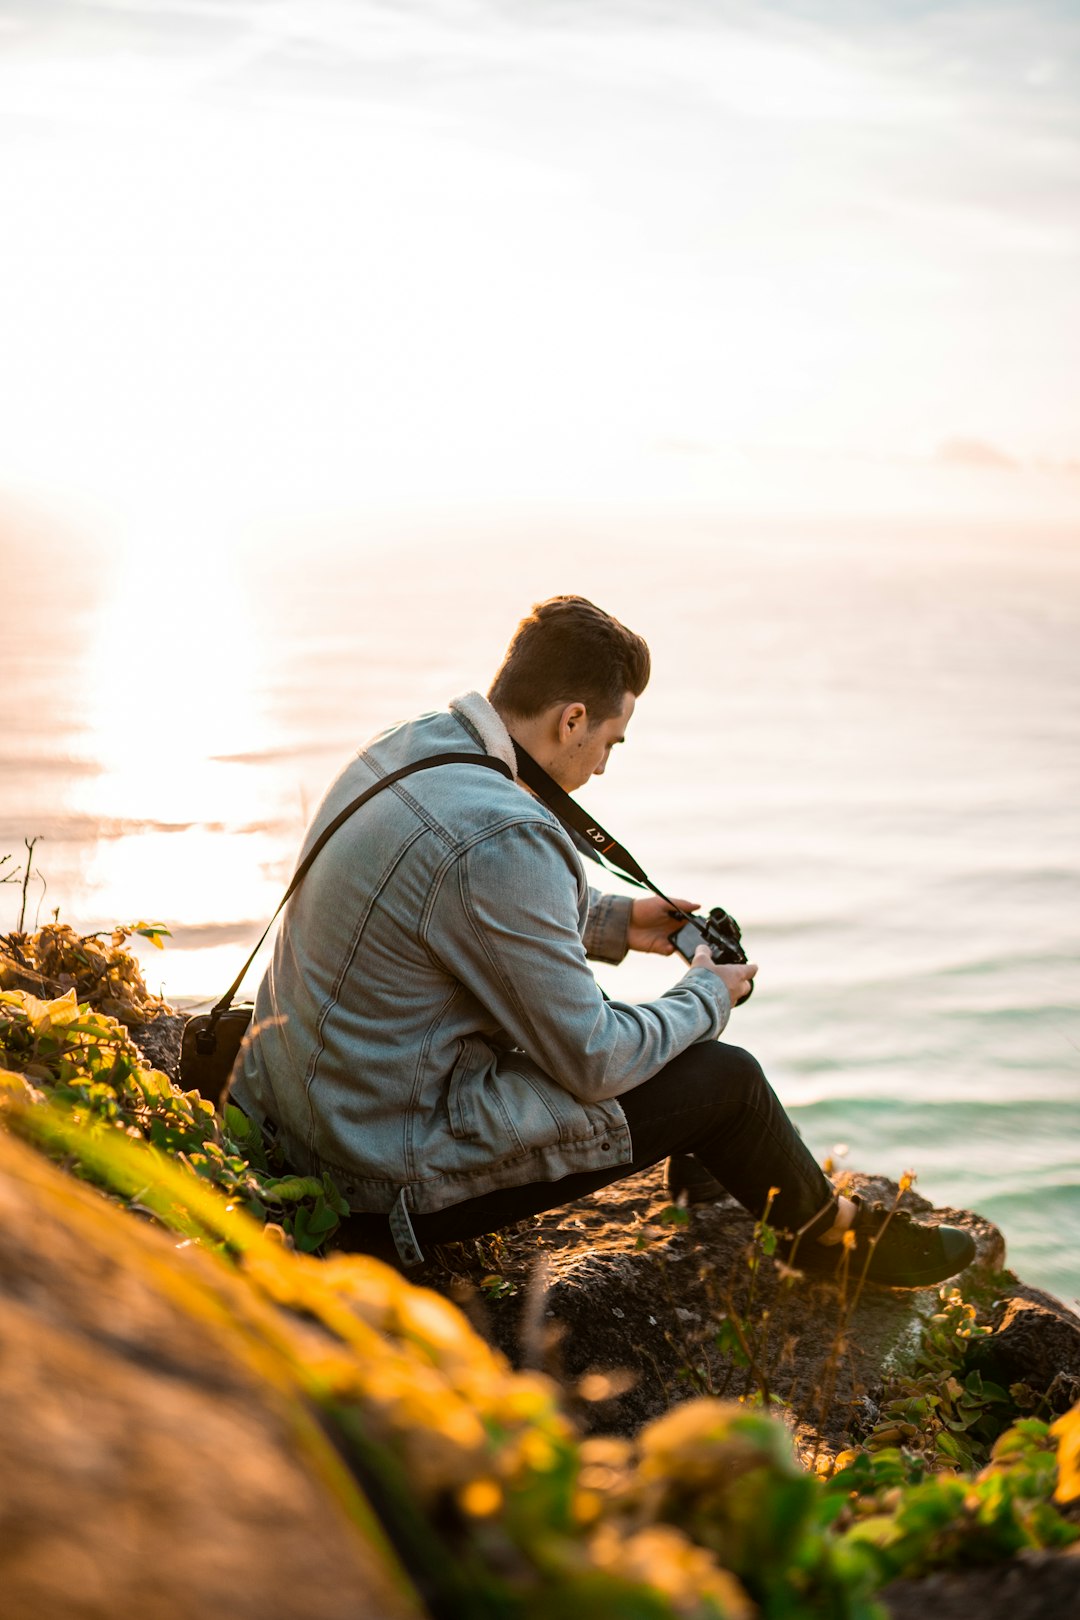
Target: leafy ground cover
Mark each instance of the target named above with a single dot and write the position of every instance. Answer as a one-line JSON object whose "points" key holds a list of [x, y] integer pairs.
{"points": [[494, 1503]]}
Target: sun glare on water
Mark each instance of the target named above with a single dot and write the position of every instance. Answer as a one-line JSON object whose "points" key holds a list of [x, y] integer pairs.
{"points": [[174, 617]]}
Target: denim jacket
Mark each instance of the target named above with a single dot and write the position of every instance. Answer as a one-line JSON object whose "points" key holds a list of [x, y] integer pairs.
{"points": [[429, 1029]]}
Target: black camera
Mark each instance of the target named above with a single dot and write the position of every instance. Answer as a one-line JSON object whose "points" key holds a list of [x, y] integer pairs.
{"points": [[720, 932]]}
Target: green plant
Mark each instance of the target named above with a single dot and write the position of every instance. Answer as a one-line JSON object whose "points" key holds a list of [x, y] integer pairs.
{"points": [[728, 1476], [749, 1335], [85, 1061], [918, 1520], [936, 1411], [494, 1286]]}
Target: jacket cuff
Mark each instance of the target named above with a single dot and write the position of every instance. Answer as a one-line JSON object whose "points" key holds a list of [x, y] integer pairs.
{"points": [[608, 928], [713, 992]]}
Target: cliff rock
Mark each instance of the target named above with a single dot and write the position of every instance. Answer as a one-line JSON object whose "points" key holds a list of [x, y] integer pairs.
{"points": [[146, 1468]]}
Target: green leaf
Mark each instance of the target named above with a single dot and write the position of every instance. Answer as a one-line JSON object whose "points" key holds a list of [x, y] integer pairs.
{"points": [[297, 1226], [994, 1392], [290, 1189], [726, 1340], [322, 1219], [334, 1196], [949, 1446]]}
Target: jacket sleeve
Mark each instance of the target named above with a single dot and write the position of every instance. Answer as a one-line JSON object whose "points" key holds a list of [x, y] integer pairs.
{"points": [[504, 922], [608, 926]]}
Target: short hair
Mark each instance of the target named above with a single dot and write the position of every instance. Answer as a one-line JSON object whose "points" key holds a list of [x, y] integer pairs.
{"points": [[565, 650]]}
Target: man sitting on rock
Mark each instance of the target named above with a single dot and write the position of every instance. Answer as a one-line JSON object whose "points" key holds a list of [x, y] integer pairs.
{"points": [[429, 1030]]}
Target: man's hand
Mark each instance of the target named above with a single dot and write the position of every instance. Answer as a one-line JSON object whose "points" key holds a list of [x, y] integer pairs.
{"points": [[652, 920], [736, 975]]}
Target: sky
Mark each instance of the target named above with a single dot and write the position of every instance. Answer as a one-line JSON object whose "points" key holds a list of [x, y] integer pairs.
{"points": [[267, 257]]}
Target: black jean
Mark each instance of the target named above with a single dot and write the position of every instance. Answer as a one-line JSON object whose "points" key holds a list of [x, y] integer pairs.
{"points": [[712, 1101]]}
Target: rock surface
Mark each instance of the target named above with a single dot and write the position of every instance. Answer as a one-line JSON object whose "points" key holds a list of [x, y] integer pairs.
{"points": [[604, 1287], [629, 1323], [145, 1468], [160, 1040], [1043, 1586], [1035, 1341]]}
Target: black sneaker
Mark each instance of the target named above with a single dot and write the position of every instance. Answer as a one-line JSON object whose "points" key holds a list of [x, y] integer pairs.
{"points": [[892, 1249], [686, 1178]]}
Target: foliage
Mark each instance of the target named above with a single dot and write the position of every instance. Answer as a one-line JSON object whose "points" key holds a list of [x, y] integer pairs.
{"points": [[85, 1061], [916, 1520], [728, 1476], [1066, 1431], [937, 1412], [103, 976], [473, 1469]]}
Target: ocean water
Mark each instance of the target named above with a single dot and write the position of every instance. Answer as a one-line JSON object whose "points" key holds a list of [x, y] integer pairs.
{"points": [[861, 740]]}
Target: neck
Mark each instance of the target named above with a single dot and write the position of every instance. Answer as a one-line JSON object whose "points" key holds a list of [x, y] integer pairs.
{"points": [[534, 733]]}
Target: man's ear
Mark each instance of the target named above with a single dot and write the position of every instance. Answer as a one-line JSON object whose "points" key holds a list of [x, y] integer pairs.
{"points": [[573, 722]]}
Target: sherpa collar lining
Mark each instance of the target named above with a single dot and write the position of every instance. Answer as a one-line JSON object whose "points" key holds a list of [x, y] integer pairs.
{"points": [[474, 710]]}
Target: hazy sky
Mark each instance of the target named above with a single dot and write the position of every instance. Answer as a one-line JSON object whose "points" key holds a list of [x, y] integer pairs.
{"points": [[342, 254]]}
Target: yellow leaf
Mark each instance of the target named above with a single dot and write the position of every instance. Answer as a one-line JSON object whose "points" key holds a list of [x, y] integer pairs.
{"points": [[1066, 1432], [10, 1081], [60, 1011]]}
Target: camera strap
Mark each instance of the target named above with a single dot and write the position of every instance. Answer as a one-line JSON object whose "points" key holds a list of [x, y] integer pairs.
{"points": [[486, 760], [606, 849]]}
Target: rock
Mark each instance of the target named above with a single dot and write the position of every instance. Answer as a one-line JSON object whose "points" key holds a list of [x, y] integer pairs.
{"points": [[606, 1290], [1036, 1586], [147, 1468], [1035, 1341], [159, 1042]]}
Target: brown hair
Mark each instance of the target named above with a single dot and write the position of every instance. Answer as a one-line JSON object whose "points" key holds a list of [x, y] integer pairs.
{"points": [[568, 649]]}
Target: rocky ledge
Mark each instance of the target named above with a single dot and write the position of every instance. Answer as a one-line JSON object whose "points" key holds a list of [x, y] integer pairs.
{"points": [[627, 1307], [619, 1285]]}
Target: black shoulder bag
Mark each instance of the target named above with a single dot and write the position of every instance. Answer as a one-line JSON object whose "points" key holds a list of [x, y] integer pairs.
{"points": [[212, 1041]]}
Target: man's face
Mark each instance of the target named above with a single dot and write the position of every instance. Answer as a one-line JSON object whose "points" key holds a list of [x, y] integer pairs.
{"points": [[585, 751]]}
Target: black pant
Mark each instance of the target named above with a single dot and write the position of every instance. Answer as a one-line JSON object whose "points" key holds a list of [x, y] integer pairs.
{"points": [[712, 1101]]}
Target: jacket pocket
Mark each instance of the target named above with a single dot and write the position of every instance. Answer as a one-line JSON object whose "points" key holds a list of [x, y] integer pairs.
{"points": [[494, 1105]]}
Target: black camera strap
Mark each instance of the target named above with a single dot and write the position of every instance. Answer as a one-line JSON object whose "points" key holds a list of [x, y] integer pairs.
{"points": [[610, 853], [607, 850]]}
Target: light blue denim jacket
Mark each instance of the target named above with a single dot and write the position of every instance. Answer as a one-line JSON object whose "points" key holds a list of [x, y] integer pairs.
{"points": [[429, 1029]]}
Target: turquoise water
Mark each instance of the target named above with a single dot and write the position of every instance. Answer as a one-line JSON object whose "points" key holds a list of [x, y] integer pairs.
{"points": [[864, 743]]}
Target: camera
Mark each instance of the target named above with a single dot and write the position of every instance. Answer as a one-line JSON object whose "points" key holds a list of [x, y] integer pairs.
{"points": [[720, 932]]}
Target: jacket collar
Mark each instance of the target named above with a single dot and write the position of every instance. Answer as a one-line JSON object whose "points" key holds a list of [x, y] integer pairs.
{"points": [[478, 717]]}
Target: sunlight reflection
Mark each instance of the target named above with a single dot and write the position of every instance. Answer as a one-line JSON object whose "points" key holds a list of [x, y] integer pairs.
{"points": [[173, 679], [199, 974], [197, 876]]}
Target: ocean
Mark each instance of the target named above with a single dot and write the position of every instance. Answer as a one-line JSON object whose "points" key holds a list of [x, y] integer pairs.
{"points": [[861, 739]]}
